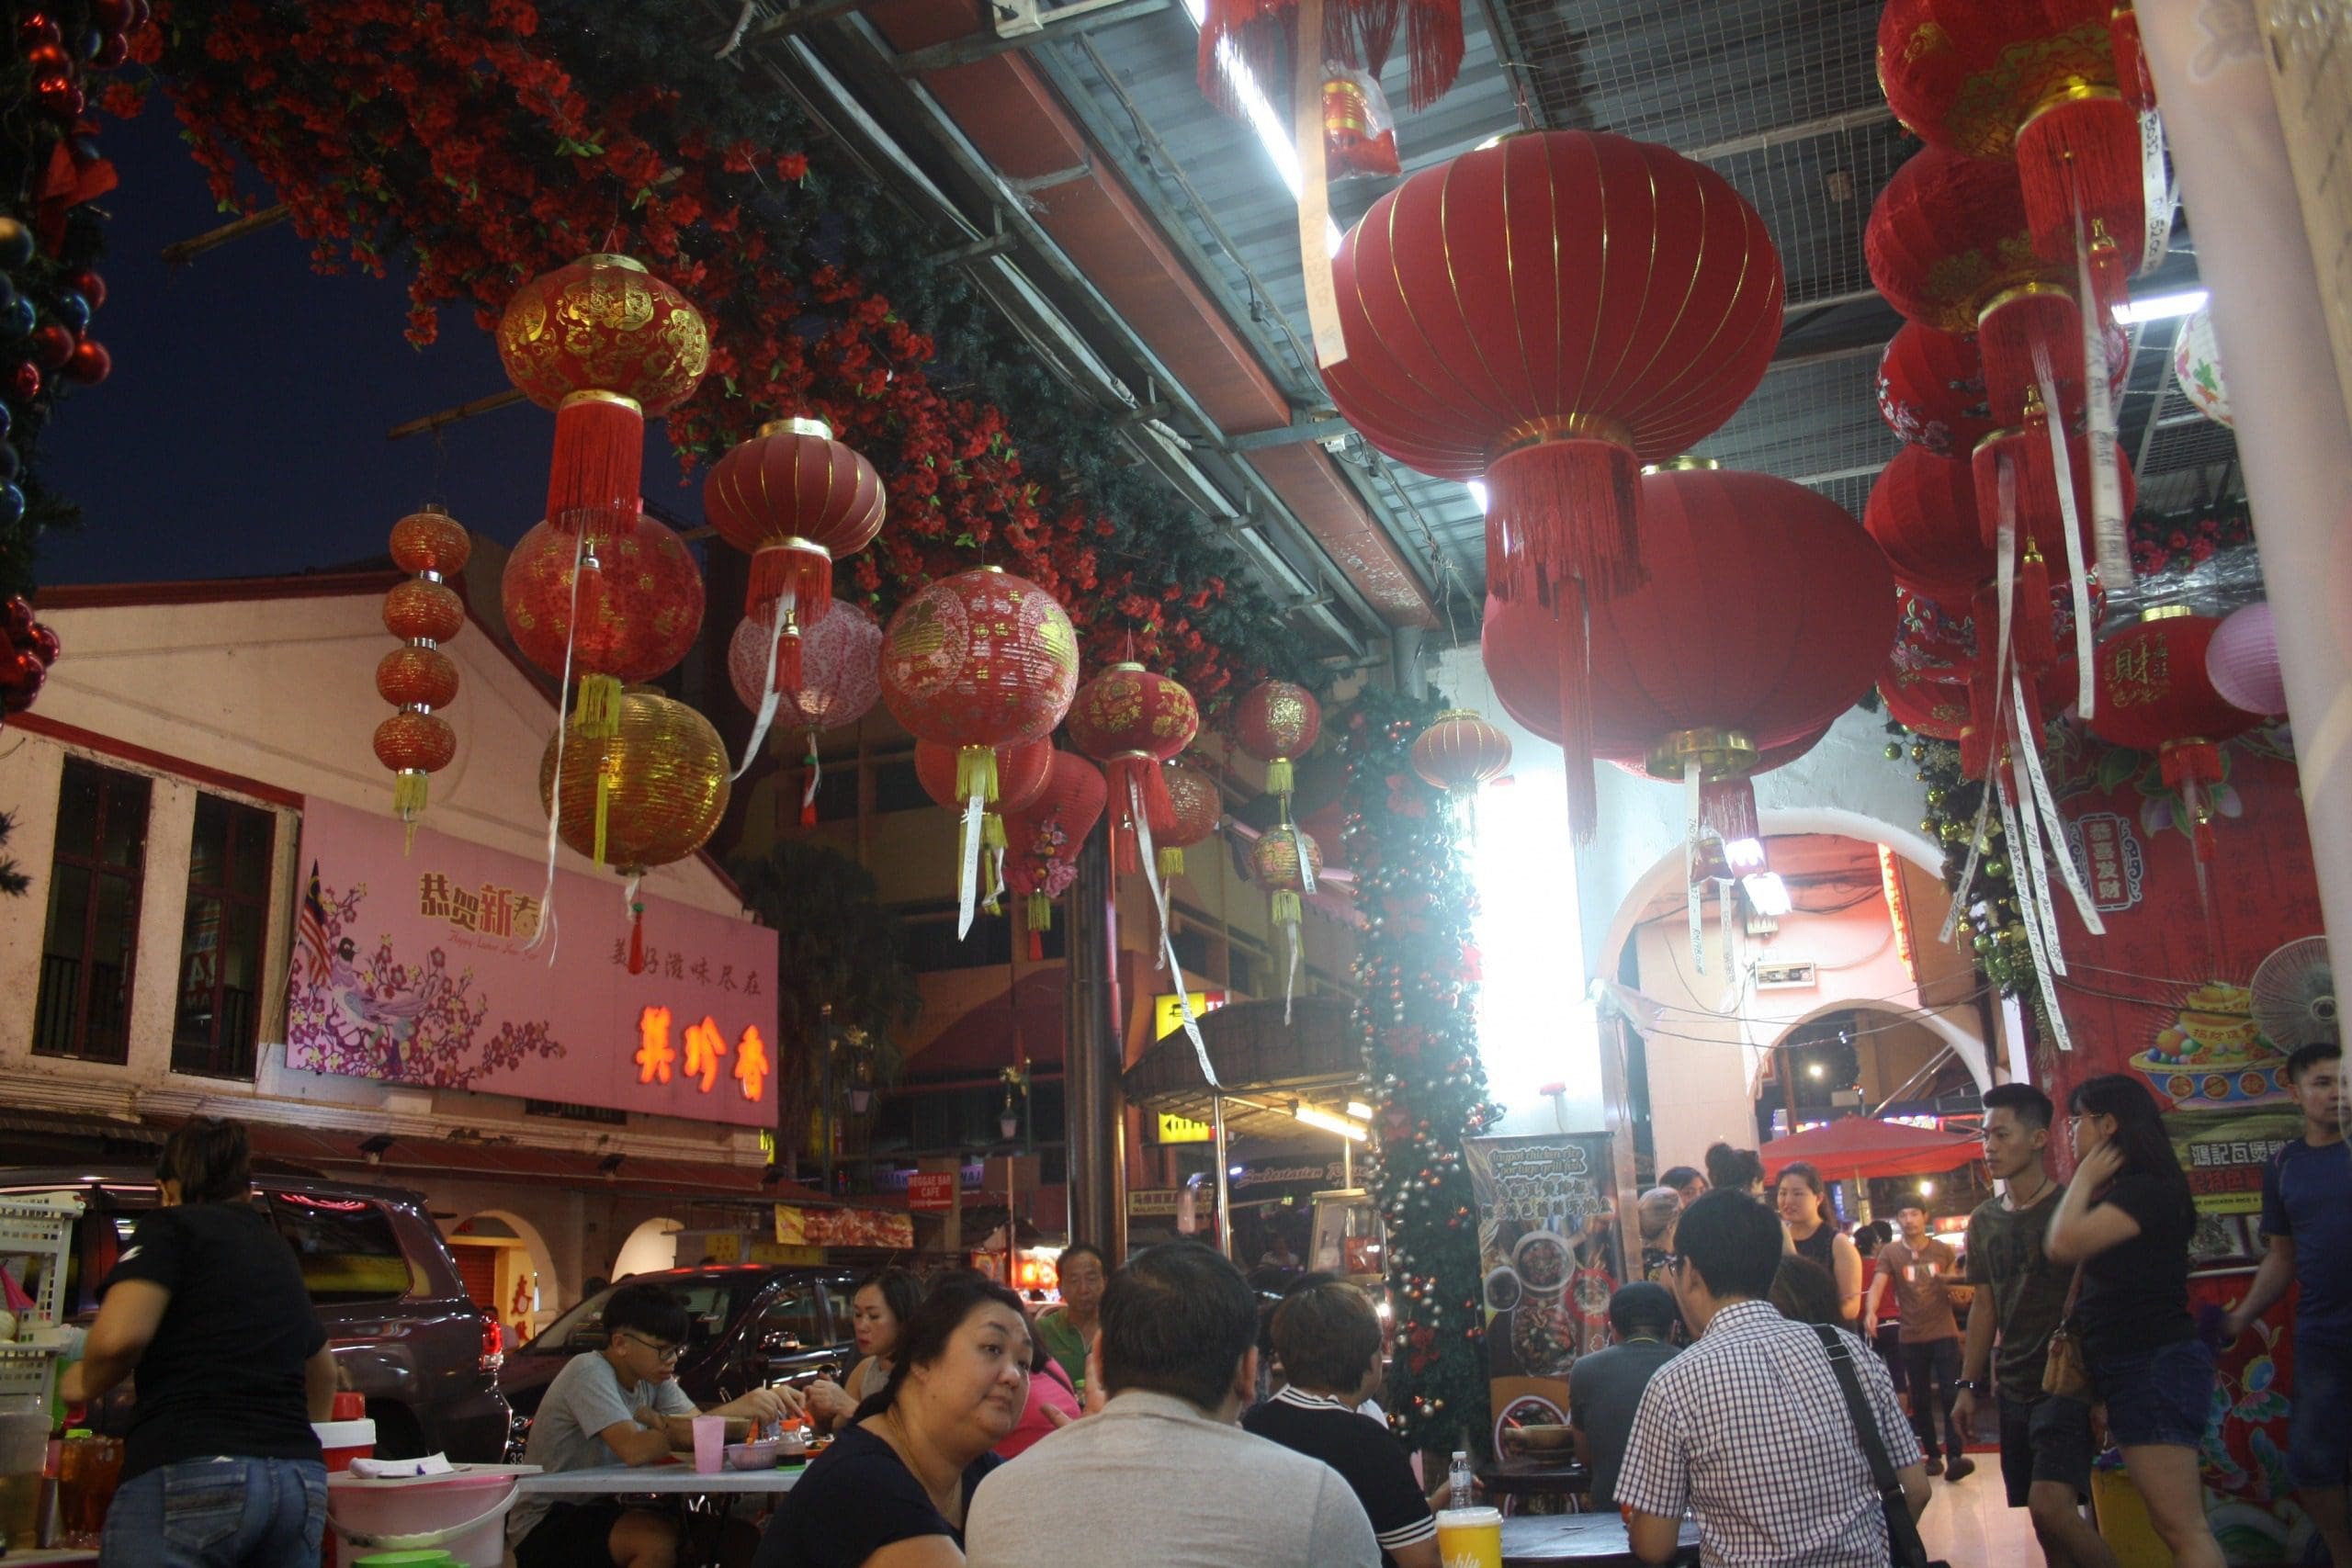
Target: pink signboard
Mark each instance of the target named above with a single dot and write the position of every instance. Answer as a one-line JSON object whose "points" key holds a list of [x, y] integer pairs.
{"points": [[412, 968]]}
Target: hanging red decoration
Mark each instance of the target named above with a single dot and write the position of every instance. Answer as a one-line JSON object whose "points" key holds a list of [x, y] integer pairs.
{"points": [[27, 650], [978, 660], [1257, 38], [1021, 772], [2132, 78], [1131, 720], [1359, 133], [1044, 837], [796, 501], [613, 608], [1922, 511], [1931, 391], [1460, 750], [1277, 722], [425, 611], [2033, 80], [841, 680], [1937, 709], [1286, 861], [1489, 335], [1195, 805], [2154, 695], [603, 343]]}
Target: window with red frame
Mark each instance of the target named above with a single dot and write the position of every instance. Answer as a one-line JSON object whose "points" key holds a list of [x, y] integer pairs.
{"points": [[96, 872], [222, 940]]}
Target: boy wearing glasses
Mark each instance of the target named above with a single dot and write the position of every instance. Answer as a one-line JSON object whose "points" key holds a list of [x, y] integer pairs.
{"points": [[621, 1406]]}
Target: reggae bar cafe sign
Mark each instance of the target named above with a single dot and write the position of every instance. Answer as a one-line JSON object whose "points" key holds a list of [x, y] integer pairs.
{"points": [[417, 966]]}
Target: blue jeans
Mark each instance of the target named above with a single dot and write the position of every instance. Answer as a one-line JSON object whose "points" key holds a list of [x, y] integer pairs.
{"points": [[2163, 1396], [220, 1513]]}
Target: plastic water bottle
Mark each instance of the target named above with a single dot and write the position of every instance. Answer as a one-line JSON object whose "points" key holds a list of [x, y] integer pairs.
{"points": [[1458, 1481]]}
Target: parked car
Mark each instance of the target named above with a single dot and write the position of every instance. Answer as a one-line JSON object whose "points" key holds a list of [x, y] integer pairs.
{"points": [[751, 1324], [396, 1314]]}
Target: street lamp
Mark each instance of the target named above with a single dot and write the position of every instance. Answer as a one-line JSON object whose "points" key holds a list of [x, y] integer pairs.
{"points": [[1008, 1121]]}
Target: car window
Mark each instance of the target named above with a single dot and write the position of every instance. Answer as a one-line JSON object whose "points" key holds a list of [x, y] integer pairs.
{"points": [[346, 1247], [793, 1316], [711, 1304]]}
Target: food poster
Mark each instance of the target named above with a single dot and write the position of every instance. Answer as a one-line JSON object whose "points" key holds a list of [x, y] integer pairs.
{"points": [[2207, 1025], [1549, 1261]]}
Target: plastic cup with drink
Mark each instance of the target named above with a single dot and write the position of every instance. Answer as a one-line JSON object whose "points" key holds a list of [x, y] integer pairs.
{"points": [[710, 1444], [1470, 1538]]}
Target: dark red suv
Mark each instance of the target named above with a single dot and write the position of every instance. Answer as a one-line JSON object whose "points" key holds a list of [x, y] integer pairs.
{"points": [[404, 1333]]}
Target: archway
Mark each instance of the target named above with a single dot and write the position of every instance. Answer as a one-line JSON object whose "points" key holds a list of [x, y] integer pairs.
{"points": [[544, 1286], [651, 1247]]}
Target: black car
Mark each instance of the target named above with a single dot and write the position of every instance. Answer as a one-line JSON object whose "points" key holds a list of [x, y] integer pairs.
{"points": [[396, 1314], [751, 1326]]}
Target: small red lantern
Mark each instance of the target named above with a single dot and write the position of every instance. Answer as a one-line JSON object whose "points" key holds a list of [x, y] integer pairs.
{"points": [[1937, 709], [1131, 720], [1931, 391], [1044, 837], [1195, 805], [1286, 861], [610, 609], [603, 344], [1460, 750], [1277, 722], [1495, 328], [2154, 695], [424, 612], [796, 501], [841, 680]]}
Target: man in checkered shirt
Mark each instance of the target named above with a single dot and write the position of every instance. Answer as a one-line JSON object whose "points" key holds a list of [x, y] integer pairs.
{"points": [[1748, 1427]]}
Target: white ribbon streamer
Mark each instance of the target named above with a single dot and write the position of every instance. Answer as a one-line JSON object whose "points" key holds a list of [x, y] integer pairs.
{"points": [[562, 723], [1307, 878], [2045, 909], [1168, 959], [2155, 193], [968, 864], [2062, 465], [2045, 806], [2004, 486], [770, 698], [2033, 941], [2107, 480], [1694, 894], [816, 764]]}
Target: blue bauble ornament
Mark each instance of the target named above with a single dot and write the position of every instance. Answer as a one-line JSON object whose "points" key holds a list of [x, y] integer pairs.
{"points": [[19, 319], [12, 506], [74, 310]]}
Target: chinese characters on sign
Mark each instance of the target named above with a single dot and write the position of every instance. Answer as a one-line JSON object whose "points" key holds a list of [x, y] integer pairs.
{"points": [[491, 911], [2110, 858], [706, 1045], [674, 964]]}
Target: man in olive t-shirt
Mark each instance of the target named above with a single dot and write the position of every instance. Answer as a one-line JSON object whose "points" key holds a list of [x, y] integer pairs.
{"points": [[2020, 1295], [1917, 1267]]}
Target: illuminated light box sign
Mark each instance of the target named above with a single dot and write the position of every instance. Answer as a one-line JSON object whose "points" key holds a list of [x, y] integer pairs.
{"points": [[1167, 1017], [1182, 1130], [412, 969], [795, 1226]]}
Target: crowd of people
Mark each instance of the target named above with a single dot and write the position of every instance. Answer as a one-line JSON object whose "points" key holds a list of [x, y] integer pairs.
{"points": [[1162, 1415]]}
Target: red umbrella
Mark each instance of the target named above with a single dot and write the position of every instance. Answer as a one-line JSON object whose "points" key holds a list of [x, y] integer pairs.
{"points": [[1853, 1147]]}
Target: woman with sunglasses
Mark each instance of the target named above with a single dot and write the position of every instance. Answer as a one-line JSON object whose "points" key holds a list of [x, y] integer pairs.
{"points": [[622, 1405], [2125, 1225]]}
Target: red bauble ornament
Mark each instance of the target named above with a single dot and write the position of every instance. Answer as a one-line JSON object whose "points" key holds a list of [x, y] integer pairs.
{"points": [[639, 607], [1043, 840], [430, 540], [1195, 805], [48, 59], [1460, 750], [24, 382], [1494, 329], [1277, 722], [603, 343], [37, 30], [417, 677], [89, 364], [1931, 391], [1131, 720], [796, 501], [89, 286], [60, 97], [53, 345], [420, 611]]}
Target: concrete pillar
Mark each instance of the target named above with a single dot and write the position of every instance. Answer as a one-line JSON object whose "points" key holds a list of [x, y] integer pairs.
{"points": [[1405, 645], [2213, 91], [1091, 1104]]}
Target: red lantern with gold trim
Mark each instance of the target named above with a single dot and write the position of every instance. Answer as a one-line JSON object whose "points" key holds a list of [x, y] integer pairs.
{"points": [[796, 501], [1131, 720], [1021, 772], [1195, 805], [1937, 709], [603, 343], [1460, 750], [417, 676], [1286, 861], [615, 609], [425, 613], [1043, 840], [1931, 391], [1494, 329], [2154, 695], [1277, 722]]}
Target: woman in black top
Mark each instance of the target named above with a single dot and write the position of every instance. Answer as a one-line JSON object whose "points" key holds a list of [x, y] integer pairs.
{"points": [[2125, 1223], [893, 1489], [221, 1469], [1806, 1217]]}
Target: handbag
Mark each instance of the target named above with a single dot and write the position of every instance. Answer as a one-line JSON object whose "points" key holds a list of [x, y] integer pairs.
{"points": [[2064, 1373], [1905, 1549]]}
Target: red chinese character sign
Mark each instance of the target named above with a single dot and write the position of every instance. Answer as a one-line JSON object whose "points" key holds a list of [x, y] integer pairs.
{"points": [[414, 970]]}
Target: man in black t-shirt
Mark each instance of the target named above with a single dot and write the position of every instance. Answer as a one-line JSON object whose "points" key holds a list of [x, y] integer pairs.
{"points": [[1328, 1337]]}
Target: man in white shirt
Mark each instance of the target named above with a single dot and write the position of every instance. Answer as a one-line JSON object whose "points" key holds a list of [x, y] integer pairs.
{"points": [[1163, 1478], [1748, 1428]]}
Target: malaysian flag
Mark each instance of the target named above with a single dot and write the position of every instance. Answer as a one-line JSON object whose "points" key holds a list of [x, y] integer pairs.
{"points": [[313, 928]]}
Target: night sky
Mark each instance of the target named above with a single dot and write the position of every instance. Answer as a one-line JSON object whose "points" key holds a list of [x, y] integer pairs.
{"points": [[242, 433]]}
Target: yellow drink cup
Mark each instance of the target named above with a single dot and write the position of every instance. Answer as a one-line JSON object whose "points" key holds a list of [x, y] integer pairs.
{"points": [[1470, 1538]]}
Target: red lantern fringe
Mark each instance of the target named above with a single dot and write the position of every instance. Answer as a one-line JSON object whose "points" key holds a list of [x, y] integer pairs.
{"points": [[1727, 809], [1261, 33], [1040, 920], [598, 466], [1565, 508], [798, 577], [1142, 770], [2083, 154], [2132, 73], [635, 938], [2010, 327]]}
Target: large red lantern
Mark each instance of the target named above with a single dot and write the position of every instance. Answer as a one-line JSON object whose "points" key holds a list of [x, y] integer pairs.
{"points": [[2154, 695], [796, 501], [1043, 840], [1195, 805], [841, 680], [2034, 80], [603, 344], [1500, 325], [975, 661], [1931, 391], [1459, 751], [425, 611], [611, 609], [1131, 720], [1277, 722]]}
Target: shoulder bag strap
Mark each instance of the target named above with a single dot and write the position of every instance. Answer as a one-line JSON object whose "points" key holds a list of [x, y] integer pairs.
{"points": [[2074, 1292], [1904, 1544]]}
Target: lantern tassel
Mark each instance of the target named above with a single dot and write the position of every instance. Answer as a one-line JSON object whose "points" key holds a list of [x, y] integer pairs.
{"points": [[976, 776], [2081, 156], [636, 924], [814, 773], [2192, 768], [2034, 314], [1172, 861], [800, 576], [1565, 508], [1727, 807], [599, 457], [2113, 543], [597, 712], [608, 776], [2030, 618], [1040, 921], [1140, 789], [411, 789], [1576, 716], [1282, 779]]}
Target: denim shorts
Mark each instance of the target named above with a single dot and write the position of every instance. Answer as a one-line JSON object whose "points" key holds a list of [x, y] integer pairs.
{"points": [[2320, 1437], [221, 1513], [2163, 1396], [2048, 1440]]}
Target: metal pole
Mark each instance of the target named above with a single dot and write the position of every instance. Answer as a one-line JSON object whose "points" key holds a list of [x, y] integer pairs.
{"points": [[1346, 1162], [1224, 1183], [825, 1039], [1090, 1090]]}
